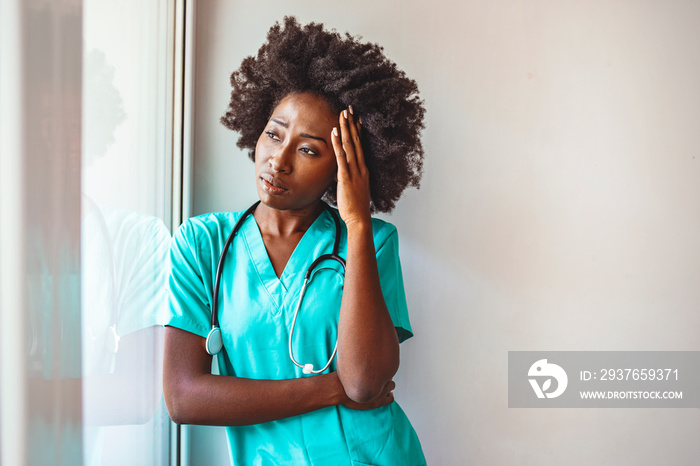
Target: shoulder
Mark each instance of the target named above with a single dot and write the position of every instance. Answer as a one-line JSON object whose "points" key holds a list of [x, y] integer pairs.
{"points": [[209, 220], [207, 225], [383, 231], [200, 239], [205, 234]]}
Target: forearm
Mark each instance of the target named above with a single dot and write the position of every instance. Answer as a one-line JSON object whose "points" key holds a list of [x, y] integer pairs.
{"points": [[221, 400], [194, 396], [368, 347]]}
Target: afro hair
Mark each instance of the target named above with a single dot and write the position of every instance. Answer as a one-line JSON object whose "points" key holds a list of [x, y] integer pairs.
{"points": [[345, 72]]}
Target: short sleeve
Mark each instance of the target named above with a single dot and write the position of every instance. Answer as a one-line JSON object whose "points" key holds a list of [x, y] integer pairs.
{"points": [[188, 294], [391, 279]]}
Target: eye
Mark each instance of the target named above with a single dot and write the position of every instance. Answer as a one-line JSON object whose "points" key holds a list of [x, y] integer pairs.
{"points": [[272, 135], [308, 151]]}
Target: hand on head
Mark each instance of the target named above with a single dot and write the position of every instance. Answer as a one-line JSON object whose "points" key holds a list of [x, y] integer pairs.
{"points": [[353, 193]]}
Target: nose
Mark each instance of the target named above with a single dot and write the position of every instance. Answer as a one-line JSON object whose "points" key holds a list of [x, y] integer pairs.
{"points": [[281, 160]]}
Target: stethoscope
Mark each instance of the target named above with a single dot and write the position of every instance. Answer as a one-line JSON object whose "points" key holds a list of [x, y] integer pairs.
{"points": [[214, 341]]}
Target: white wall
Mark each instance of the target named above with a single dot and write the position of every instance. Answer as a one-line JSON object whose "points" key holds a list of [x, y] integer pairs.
{"points": [[559, 209]]}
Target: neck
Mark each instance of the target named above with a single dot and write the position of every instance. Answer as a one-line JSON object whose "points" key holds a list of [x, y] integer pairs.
{"points": [[286, 222]]}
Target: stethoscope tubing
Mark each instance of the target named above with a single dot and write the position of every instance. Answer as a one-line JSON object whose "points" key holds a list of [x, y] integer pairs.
{"points": [[214, 341], [220, 265]]}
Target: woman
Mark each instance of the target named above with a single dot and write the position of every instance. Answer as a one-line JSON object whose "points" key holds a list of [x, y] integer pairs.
{"points": [[325, 117]]}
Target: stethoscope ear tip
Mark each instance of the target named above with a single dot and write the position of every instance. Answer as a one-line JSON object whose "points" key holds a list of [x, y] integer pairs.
{"points": [[308, 368], [214, 342]]}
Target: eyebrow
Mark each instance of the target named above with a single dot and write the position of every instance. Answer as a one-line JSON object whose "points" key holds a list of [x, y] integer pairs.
{"points": [[304, 135]]}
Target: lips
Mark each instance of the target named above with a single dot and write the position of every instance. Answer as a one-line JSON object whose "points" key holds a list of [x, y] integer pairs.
{"points": [[272, 184]]}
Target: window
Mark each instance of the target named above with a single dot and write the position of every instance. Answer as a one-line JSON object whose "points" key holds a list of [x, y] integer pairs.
{"points": [[125, 235], [86, 197]]}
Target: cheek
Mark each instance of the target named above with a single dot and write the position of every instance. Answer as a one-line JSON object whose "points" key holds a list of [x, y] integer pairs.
{"points": [[260, 152], [331, 172]]}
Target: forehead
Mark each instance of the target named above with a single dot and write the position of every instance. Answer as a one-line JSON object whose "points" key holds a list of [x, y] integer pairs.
{"points": [[305, 109]]}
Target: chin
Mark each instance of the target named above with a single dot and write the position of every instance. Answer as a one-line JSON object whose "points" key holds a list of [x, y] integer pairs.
{"points": [[281, 203], [274, 202]]}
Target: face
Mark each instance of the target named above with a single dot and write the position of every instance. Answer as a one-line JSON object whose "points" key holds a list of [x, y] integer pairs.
{"points": [[294, 159]]}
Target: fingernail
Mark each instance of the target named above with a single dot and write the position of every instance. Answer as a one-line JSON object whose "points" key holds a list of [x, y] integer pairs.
{"points": [[345, 114], [335, 131], [359, 120], [350, 107]]}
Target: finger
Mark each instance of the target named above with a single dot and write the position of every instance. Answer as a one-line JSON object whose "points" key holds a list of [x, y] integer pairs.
{"points": [[340, 156], [346, 139], [355, 136]]}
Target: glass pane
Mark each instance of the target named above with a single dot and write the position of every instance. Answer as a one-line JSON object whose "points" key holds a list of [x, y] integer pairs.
{"points": [[125, 240], [40, 79]]}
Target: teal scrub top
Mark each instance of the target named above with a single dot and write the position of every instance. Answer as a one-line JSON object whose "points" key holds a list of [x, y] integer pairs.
{"points": [[255, 315]]}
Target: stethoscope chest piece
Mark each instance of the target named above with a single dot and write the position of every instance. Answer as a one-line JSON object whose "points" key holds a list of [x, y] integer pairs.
{"points": [[214, 342]]}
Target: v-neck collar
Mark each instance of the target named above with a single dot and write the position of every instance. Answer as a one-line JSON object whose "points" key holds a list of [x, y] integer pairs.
{"points": [[298, 262]]}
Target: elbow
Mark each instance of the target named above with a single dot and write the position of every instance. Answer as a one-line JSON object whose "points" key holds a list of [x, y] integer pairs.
{"points": [[174, 410], [363, 393], [175, 415], [176, 402], [368, 386], [367, 377]]}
